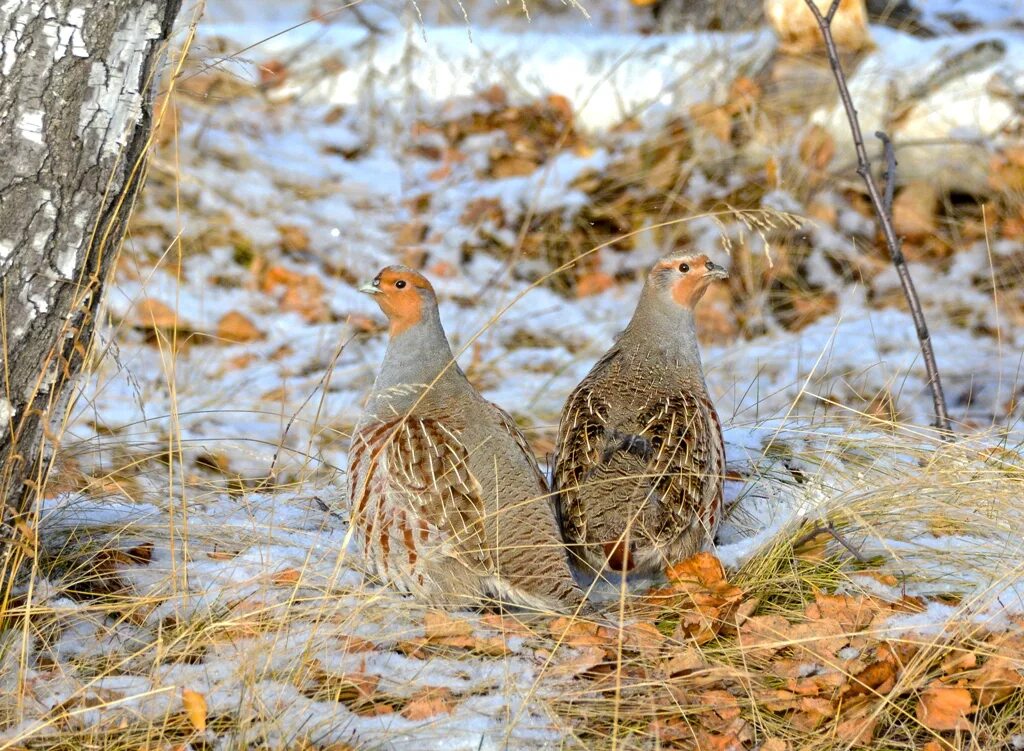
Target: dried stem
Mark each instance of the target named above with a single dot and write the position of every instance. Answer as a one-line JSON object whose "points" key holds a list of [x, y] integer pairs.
{"points": [[883, 208]]}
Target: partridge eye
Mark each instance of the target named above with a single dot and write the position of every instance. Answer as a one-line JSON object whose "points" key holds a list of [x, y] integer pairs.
{"points": [[400, 283], [684, 267]]}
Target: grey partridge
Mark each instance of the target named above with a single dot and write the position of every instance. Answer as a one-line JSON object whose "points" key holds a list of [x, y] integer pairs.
{"points": [[447, 499], [640, 457]]}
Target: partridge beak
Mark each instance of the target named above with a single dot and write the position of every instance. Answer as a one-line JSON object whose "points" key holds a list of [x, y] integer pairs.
{"points": [[369, 288], [715, 271]]}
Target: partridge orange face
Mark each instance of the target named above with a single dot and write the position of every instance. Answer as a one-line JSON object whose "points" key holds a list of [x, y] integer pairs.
{"points": [[687, 277], [402, 294]]}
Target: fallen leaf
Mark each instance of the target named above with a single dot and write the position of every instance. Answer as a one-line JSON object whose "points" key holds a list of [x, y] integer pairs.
{"points": [[272, 73], [286, 577], [852, 613], [857, 731], [914, 210], [510, 165], [586, 659], [577, 633], [878, 677], [294, 238], [235, 327], [703, 569], [428, 703], [714, 119], [153, 314], [683, 662], [437, 624], [593, 282], [195, 708], [764, 635], [817, 148], [945, 708]]}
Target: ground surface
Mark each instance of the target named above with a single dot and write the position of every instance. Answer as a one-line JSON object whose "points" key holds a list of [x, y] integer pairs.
{"points": [[194, 585]]}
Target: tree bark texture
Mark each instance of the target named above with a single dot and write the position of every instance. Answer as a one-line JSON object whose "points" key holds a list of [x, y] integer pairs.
{"points": [[76, 83]]}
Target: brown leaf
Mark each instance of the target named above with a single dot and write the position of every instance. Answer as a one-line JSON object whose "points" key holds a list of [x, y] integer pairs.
{"points": [[774, 744], [483, 210], [764, 635], [593, 282], [286, 577], [857, 731], [577, 633], [914, 210], [294, 238], [852, 613], [721, 703], [819, 639], [428, 703], [195, 708], [280, 276], [235, 327], [411, 233], [878, 677], [798, 32], [153, 314], [588, 658], [1000, 676], [437, 624], [713, 119], [744, 94], [812, 712], [817, 148], [703, 568], [511, 165], [683, 662], [272, 73], [945, 708]]}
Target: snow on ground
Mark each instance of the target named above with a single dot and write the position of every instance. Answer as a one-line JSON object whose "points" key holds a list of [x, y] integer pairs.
{"points": [[332, 160]]}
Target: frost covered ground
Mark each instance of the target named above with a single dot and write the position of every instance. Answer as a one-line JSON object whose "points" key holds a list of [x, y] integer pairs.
{"points": [[201, 489]]}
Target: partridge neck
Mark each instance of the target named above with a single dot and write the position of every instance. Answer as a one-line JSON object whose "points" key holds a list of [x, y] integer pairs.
{"points": [[416, 360], [663, 329]]}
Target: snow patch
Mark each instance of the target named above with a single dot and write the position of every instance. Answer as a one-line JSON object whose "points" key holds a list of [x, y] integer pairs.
{"points": [[31, 125]]}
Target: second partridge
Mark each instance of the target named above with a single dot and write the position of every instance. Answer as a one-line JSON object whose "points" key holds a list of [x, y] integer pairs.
{"points": [[640, 454]]}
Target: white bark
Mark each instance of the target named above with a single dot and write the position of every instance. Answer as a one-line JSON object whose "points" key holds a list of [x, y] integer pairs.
{"points": [[74, 119]]}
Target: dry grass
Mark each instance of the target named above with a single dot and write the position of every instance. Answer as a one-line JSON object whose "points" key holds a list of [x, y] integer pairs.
{"points": [[896, 496], [163, 573]]}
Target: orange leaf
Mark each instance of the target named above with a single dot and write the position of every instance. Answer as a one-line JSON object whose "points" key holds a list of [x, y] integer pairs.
{"points": [[428, 703], [593, 283], [293, 238], [945, 708], [153, 314], [286, 576], [235, 327], [683, 662], [872, 679], [702, 568], [195, 707], [437, 624], [588, 658]]}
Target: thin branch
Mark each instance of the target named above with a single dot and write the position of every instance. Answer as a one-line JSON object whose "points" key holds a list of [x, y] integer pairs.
{"points": [[883, 208], [836, 535], [890, 171]]}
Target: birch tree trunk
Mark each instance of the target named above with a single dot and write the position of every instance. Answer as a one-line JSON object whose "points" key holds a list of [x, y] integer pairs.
{"points": [[76, 81]]}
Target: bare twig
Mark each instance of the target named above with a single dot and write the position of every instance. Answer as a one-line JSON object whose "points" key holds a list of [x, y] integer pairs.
{"points": [[836, 535], [883, 208]]}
